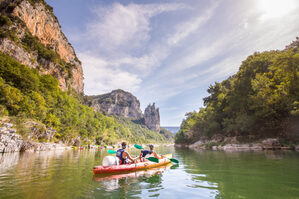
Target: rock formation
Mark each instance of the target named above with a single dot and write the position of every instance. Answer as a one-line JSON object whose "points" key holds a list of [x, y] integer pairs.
{"points": [[117, 102], [31, 34], [152, 117], [122, 103], [10, 141]]}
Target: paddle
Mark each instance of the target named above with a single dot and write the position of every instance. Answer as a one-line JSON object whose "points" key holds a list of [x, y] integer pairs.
{"points": [[174, 166], [138, 146], [111, 151], [153, 159]]}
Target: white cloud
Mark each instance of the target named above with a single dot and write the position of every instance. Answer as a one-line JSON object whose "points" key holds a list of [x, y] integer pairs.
{"points": [[116, 33], [142, 65], [274, 9], [184, 29], [199, 55], [101, 78], [125, 27], [171, 108]]}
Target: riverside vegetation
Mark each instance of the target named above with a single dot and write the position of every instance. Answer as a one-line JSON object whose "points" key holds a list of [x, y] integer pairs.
{"points": [[259, 101], [40, 83], [25, 94]]}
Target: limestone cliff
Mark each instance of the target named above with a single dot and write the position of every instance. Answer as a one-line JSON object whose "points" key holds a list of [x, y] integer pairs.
{"points": [[122, 103], [117, 102], [152, 117], [31, 34]]}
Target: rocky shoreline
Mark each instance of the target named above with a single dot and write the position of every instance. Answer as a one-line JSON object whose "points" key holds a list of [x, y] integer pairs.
{"points": [[10, 141], [221, 143]]}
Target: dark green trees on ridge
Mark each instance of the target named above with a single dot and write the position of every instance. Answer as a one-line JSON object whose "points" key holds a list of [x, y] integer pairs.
{"points": [[260, 100]]}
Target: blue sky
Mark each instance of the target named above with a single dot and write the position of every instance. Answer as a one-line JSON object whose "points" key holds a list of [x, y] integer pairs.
{"points": [[170, 51]]}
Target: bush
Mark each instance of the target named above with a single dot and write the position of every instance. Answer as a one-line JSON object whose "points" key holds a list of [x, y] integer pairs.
{"points": [[26, 94], [4, 20], [260, 100]]}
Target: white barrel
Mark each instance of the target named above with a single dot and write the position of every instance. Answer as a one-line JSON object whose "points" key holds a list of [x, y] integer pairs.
{"points": [[110, 160]]}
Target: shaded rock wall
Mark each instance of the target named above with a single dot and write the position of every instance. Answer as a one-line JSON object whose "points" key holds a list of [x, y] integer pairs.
{"points": [[117, 102], [152, 117]]}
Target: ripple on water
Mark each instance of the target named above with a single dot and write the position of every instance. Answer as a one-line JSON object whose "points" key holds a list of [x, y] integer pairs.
{"points": [[208, 175]]}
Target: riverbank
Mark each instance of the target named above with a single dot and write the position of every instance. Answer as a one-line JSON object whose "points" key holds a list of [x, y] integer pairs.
{"points": [[11, 141], [24, 136], [221, 143]]}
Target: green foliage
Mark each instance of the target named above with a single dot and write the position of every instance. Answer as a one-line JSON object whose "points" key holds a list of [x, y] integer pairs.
{"points": [[20, 77], [33, 2], [32, 43], [258, 100], [11, 6], [21, 127], [5, 33], [4, 20], [167, 134], [26, 94], [10, 97], [3, 110]]}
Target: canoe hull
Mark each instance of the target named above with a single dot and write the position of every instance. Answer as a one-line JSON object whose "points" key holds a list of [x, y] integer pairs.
{"points": [[131, 167]]}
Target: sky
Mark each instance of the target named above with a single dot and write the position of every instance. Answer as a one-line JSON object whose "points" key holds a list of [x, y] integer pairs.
{"points": [[170, 51]]}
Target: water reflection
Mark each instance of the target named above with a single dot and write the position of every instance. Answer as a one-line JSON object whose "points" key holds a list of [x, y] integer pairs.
{"points": [[147, 179], [244, 174], [205, 174], [8, 161]]}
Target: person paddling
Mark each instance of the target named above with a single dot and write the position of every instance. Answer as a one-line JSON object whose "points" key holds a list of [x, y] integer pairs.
{"points": [[123, 155], [149, 153]]}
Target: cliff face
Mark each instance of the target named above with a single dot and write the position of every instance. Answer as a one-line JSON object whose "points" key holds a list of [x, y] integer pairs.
{"points": [[118, 102], [31, 34], [121, 103], [152, 117]]}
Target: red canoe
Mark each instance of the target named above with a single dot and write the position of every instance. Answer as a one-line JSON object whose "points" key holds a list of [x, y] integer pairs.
{"points": [[135, 174], [131, 167]]}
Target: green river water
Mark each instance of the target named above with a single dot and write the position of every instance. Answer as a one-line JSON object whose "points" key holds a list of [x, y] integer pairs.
{"points": [[204, 174]]}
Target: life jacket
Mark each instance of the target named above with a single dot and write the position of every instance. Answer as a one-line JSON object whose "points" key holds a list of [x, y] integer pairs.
{"points": [[143, 154], [119, 154], [146, 152]]}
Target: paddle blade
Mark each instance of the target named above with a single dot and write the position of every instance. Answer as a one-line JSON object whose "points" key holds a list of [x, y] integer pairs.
{"points": [[111, 151], [174, 166], [138, 146], [153, 159], [174, 160]]}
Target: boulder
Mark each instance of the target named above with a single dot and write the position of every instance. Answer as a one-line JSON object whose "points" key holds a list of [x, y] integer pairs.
{"points": [[231, 140], [217, 138], [10, 142], [271, 143], [8, 125], [39, 131], [77, 142], [48, 134]]}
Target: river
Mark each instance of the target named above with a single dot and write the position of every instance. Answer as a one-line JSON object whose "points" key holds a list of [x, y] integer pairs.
{"points": [[204, 174]]}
